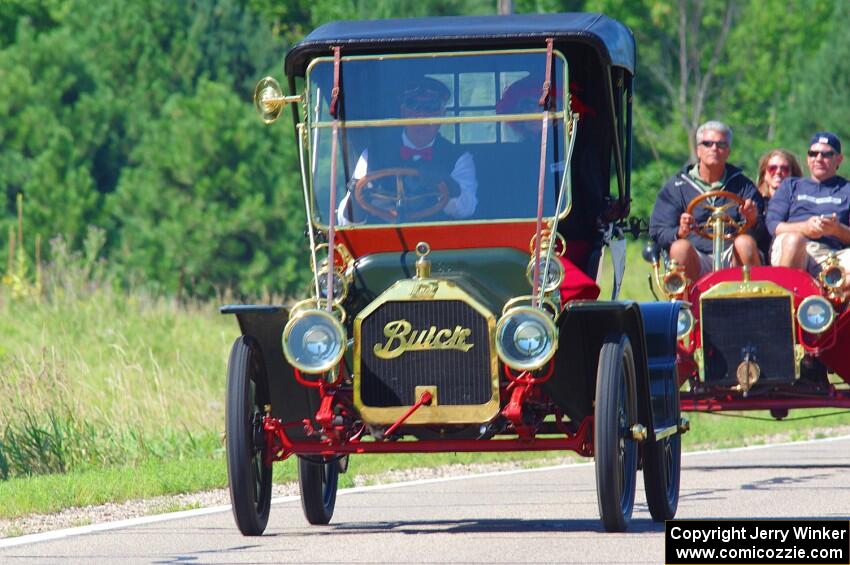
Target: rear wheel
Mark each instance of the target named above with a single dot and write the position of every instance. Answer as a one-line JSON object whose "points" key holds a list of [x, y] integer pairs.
{"points": [[662, 466], [614, 449], [250, 480], [318, 483]]}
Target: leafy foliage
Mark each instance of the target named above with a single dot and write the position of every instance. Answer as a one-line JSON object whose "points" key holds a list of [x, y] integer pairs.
{"points": [[134, 116]]}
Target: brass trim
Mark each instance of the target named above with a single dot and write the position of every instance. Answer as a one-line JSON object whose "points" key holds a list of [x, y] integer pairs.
{"points": [[419, 390], [662, 433], [835, 291], [799, 353], [340, 249], [747, 374], [423, 265], [815, 298], [746, 289], [311, 125], [428, 55], [410, 290], [546, 240], [699, 360], [547, 321], [638, 432], [528, 298], [269, 99], [341, 282], [321, 304], [675, 274], [302, 313], [442, 120], [554, 264]]}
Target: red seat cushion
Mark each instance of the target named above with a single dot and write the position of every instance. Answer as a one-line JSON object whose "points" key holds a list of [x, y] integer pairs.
{"points": [[577, 285]]}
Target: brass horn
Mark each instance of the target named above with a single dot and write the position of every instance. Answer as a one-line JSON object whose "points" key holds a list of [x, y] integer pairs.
{"points": [[269, 99]]}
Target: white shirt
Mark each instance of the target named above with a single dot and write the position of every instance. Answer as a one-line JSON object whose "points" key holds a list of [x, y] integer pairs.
{"points": [[463, 173]]}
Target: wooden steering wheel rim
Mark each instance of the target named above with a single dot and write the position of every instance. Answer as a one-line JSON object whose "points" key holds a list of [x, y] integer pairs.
{"points": [[739, 228], [391, 214]]}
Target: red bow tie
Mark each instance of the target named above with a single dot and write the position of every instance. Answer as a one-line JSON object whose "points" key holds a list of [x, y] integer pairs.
{"points": [[408, 153]]}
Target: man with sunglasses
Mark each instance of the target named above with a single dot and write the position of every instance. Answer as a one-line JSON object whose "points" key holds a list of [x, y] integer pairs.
{"points": [[420, 147], [809, 216], [672, 228]]}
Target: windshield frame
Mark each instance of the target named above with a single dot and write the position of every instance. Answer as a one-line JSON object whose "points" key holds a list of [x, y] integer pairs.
{"points": [[313, 127]]}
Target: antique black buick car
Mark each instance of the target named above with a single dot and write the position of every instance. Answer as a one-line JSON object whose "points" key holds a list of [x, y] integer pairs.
{"points": [[456, 178]]}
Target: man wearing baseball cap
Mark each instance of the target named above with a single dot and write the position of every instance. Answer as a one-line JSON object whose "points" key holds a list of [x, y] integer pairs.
{"points": [[809, 217]]}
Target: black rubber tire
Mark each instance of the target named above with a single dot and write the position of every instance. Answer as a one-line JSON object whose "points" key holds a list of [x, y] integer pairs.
{"points": [[662, 468], [318, 484], [250, 480], [614, 449]]}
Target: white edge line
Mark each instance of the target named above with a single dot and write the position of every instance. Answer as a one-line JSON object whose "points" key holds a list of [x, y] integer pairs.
{"points": [[130, 522]]}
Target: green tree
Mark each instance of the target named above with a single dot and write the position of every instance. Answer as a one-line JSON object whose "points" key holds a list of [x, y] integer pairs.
{"points": [[818, 92], [214, 200]]}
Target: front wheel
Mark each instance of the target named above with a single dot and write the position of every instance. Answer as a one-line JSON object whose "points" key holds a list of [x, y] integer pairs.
{"points": [[250, 479], [662, 466], [318, 482], [614, 449]]}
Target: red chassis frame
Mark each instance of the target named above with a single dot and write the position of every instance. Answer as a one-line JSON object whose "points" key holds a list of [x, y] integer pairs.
{"points": [[337, 439], [827, 348]]}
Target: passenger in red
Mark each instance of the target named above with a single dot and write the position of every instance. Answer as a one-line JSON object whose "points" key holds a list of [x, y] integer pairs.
{"points": [[521, 97]]}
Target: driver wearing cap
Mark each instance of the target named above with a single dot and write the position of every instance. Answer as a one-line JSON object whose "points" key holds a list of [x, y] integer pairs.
{"points": [[420, 147], [674, 229], [810, 216]]}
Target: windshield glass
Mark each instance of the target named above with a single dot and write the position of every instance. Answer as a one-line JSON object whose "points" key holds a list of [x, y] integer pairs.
{"points": [[436, 138]]}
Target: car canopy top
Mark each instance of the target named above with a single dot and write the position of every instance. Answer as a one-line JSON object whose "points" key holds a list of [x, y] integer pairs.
{"points": [[612, 40]]}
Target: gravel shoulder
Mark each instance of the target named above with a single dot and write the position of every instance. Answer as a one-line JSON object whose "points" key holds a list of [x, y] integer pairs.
{"points": [[74, 517]]}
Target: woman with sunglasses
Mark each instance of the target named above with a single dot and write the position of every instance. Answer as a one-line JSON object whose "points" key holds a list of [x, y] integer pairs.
{"points": [[774, 167], [810, 217]]}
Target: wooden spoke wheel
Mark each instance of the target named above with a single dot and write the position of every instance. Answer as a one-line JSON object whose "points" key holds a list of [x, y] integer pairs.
{"points": [[706, 229], [398, 204]]}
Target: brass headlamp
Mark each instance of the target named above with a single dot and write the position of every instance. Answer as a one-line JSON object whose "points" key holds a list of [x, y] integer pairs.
{"points": [[833, 277], [675, 283]]}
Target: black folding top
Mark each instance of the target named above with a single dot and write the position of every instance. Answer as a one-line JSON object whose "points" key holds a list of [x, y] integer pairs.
{"points": [[611, 39]]}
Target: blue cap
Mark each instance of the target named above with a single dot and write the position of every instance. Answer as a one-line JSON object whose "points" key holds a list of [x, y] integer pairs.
{"points": [[829, 138]]}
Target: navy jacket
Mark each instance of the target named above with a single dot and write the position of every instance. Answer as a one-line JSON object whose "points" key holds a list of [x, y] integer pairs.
{"points": [[798, 199], [674, 198]]}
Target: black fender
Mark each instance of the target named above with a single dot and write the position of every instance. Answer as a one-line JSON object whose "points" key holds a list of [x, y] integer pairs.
{"points": [[582, 328], [291, 402], [659, 323]]}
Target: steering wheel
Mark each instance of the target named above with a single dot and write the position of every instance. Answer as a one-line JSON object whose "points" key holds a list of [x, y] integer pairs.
{"points": [[705, 229], [393, 206]]}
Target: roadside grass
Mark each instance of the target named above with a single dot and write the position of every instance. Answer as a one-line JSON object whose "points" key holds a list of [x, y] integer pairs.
{"points": [[108, 395], [43, 494]]}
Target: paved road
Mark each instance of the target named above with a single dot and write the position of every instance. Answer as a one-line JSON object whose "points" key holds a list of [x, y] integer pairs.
{"points": [[541, 516]]}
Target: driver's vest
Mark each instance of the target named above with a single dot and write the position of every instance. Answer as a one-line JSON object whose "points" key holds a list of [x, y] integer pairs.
{"points": [[387, 154]]}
